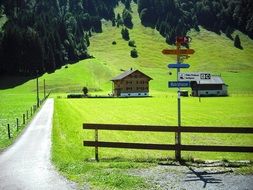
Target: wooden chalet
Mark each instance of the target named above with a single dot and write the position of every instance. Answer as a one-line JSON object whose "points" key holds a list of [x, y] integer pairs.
{"points": [[213, 87], [131, 83]]}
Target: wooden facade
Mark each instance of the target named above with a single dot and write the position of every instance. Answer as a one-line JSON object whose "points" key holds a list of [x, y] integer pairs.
{"points": [[131, 83]]}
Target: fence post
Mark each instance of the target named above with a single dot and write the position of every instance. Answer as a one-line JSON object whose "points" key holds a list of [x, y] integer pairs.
{"points": [[27, 114], [31, 111], [9, 131], [23, 118], [96, 147], [34, 108], [17, 123]]}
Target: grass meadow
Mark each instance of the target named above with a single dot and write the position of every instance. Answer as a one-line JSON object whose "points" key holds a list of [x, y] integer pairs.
{"points": [[77, 162]]}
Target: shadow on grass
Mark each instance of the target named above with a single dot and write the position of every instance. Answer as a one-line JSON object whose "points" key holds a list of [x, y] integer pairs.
{"points": [[159, 161], [7, 82]]}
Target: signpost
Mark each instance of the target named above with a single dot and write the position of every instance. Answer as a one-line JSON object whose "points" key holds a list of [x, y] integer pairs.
{"points": [[176, 84], [178, 51], [194, 76], [181, 53], [175, 66]]}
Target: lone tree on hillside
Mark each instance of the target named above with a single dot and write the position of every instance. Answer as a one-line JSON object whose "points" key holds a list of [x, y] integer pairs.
{"points": [[237, 42], [85, 91], [125, 34], [134, 53]]}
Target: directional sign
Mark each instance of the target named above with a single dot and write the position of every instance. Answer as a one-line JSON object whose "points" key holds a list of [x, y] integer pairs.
{"points": [[181, 65], [183, 39], [178, 51], [194, 76], [184, 56], [175, 84]]}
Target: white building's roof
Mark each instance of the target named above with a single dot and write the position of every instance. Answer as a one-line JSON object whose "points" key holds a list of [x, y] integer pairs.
{"points": [[214, 80]]}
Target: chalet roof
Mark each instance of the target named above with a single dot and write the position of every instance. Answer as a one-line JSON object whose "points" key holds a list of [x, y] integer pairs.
{"points": [[214, 80], [128, 72]]}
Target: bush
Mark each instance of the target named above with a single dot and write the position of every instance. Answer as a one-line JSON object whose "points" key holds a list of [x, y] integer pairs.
{"points": [[85, 91], [75, 96], [114, 43], [131, 43], [125, 34], [134, 53]]}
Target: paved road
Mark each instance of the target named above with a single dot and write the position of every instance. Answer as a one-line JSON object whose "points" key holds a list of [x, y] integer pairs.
{"points": [[26, 165]]}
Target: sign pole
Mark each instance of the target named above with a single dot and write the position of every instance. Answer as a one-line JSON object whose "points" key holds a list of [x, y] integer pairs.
{"points": [[178, 134], [180, 54]]}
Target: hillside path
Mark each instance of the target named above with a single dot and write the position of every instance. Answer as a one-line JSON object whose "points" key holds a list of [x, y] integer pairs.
{"points": [[26, 164]]}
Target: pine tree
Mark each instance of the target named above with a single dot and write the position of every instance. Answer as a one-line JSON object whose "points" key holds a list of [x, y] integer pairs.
{"points": [[87, 40], [237, 42], [125, 34]]}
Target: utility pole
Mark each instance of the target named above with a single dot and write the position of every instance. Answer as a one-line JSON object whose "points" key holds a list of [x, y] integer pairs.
{"points": [[44, 88], [37, 87]]}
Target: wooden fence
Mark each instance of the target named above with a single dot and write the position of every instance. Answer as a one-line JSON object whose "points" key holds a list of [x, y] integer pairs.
{"points": [[96, 143], [25, 117]]}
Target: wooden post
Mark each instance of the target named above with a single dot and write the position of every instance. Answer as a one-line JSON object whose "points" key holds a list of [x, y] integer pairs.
{"points": [[23, 118], [31, 111], [27, 117], [44, 89], [9, 131], [17, 123], [96, 147], [34, 108]]}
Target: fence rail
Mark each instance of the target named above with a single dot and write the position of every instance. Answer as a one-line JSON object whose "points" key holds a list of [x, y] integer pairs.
{"points": [[188, 129], [159, 128]]}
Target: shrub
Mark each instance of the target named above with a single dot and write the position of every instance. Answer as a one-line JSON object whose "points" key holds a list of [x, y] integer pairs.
{"points": [[114, 43], [125, 34], [134, 53], [75, 96], [131, 43], [85, 90]]}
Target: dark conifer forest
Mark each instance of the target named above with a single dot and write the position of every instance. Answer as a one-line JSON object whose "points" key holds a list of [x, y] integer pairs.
{"points": [[43, 35]]}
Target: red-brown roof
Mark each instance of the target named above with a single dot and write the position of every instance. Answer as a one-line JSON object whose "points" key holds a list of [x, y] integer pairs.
{"points": [[127, 73]]}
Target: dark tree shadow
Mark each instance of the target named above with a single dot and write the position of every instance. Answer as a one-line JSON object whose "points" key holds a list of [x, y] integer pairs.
{"points": [[7, 82], [204, 176]]}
